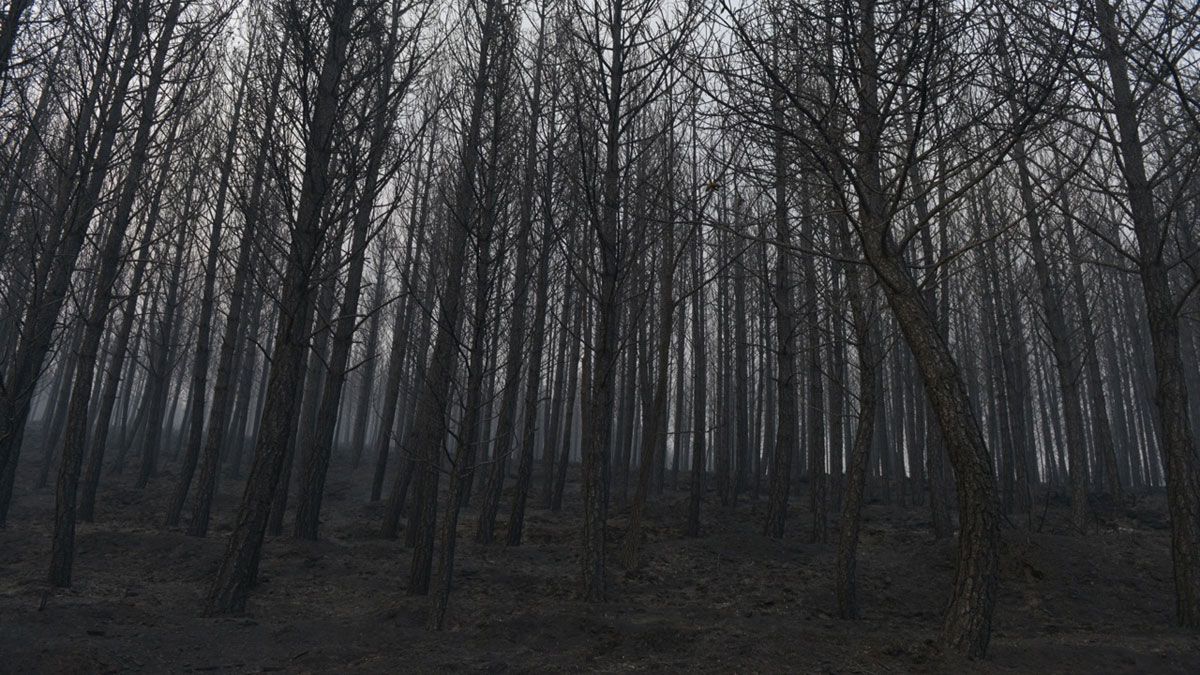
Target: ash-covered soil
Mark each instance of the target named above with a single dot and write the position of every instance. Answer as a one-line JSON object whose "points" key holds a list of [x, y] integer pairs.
{"points": [[729, 601]]}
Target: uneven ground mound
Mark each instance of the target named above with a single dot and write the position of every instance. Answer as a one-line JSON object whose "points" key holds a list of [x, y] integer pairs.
{"points": [[730, 600]]}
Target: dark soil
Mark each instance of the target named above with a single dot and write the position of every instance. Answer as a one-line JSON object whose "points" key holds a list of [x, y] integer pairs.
{"points": [[731, 600]]}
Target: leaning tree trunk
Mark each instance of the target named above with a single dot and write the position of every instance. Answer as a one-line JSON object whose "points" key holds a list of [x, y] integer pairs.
{"points": [[239, 565], [399, 348], [161, 357], [120, 350], [464, 453], [317, 374], [1183, 486], [506, 431], [968, 619], [428, 431], [967, 626]]}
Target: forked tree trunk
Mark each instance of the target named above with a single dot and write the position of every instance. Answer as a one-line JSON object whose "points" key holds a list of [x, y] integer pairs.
{"points": [[316, 459]]}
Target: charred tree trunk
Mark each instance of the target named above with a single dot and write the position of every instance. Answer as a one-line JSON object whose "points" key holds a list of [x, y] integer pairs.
{"points": [[239, 566], [1183, 487]]}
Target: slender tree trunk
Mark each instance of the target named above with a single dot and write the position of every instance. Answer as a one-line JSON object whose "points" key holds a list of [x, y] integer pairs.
{"points": [[560, 479], [699, 392], [818, 480], [316, 459], [785, 327], [741, 375], [1061, 344], [199, 385], [558, 403], [366, 385], [401, 329], [9, 30], [108, 398], [655, 433], [427, 433], [856, 476], [219, 413], [1101, 424], [159, 377], [245, 402], [533, 380], [679, 424], [55, 423]]}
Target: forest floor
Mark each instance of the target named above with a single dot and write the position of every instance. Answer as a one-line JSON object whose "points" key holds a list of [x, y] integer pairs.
{"points": [[730, 600]]}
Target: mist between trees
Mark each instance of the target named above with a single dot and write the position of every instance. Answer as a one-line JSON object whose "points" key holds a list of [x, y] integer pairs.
{"points": [[941, 254]]}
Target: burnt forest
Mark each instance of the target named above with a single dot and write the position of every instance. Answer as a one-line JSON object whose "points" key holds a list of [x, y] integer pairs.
{"points": [[729, 336]]}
